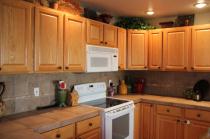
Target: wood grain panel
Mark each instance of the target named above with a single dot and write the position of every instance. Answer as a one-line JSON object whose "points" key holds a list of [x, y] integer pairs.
{"points": [[122, 43]]}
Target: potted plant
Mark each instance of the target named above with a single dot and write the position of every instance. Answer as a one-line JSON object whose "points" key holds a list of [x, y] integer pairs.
{"points": [[53, 4]]}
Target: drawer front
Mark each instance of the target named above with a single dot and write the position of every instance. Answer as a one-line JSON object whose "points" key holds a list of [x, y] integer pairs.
{"points": [[169, 110], [67, 132], [88, 125], [197, 115]]}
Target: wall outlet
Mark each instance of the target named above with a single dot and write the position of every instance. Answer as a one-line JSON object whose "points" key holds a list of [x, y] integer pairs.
{"points": [[36, 92]]}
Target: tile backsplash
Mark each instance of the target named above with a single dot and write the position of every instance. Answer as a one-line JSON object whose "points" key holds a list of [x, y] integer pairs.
{"points": [[19, 95], [169, 83]]}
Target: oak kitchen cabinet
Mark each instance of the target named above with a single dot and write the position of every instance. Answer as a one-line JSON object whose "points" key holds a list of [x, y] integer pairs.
{"points": [[137, 117], [74, 43], [122, 47], [155, 49], [101, 34], [200, 58], [48, 40], [147, 121], [16, 35], [176, 46], [137, 49]]}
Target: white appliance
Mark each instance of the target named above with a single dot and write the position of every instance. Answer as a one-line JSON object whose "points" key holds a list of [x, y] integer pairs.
{"points": [[117, 114], [101, 59]]}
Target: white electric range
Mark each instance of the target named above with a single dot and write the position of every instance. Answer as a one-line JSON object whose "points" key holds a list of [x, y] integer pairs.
{"points": [[117, 114]]}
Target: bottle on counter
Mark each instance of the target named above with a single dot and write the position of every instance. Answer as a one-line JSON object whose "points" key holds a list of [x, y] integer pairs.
{"points": [[123, 89], [111, 90]]}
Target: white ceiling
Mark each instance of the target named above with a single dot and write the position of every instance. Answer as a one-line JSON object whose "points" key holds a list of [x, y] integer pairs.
{"points": [[161, 8]]}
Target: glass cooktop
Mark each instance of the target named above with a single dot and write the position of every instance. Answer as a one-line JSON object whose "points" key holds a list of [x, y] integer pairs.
{"points": [[105, 102]]}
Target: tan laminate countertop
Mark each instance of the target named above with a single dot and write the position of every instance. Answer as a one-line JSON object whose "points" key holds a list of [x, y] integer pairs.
{"points": [[179, 102], [30, 127]]}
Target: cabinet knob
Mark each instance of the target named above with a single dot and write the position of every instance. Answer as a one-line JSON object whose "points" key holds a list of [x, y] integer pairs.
{"points": [[185, 68], [158, 67], [198, 115], [106, 43], [58, 135], [192, 68], [178, 121], [145, 67], [101, 42], [168, 110], [115, 56], [59, 67], [66, 67], [90, 124]]}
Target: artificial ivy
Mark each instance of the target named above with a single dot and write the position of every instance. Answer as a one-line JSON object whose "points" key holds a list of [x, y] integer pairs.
{"points": [[133, 23]]}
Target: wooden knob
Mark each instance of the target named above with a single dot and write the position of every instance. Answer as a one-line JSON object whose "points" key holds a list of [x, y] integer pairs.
{"points": [[106, 43], [101, 42], [145, 67], [59, 67], [66, 67], [185, 68], [198, 115], [158, 67], [192, 68], [58, 135], [90, 124], [178, 121], [168, 110]]}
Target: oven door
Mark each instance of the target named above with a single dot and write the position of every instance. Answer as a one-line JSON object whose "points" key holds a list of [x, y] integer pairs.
{"points": [[119, 125]]}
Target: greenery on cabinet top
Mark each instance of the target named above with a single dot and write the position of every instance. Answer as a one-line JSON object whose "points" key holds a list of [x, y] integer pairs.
{"points": [[133, 23]]}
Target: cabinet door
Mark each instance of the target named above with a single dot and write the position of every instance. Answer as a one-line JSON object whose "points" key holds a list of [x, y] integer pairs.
{"points": [[155, 49], [168, 127], [196, 130], [137, 49], [94, 134], [176, 44], [48, 40], [74, 43], [16, 48], [147, 121], [200, 59], [94, 32], [122, 48], [110, 35], [137, 112]]}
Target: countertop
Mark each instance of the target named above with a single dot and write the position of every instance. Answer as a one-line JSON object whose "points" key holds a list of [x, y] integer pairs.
{"points": [[29, 126], [179, 102]]}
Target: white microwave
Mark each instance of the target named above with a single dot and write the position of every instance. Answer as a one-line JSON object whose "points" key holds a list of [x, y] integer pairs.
{"points": [[101, 59]]}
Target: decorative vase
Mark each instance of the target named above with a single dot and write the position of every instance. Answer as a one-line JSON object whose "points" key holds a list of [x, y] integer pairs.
{"points": [[53, 5]]}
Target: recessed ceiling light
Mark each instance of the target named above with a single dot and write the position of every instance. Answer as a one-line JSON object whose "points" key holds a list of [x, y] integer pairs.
{"points": [[150, 12], [200, 5]]}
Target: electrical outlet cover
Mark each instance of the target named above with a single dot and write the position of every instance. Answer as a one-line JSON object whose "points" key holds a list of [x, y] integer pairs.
{"points": [[36, 92]]}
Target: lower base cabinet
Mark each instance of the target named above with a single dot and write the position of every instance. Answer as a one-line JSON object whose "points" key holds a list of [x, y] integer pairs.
{"points": [[168, 127], [94, 134], [196, 129], [137, 112]]}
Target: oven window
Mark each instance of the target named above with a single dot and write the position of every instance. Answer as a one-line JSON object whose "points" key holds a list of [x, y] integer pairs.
{"points": [[99, 62], [120, 127]]}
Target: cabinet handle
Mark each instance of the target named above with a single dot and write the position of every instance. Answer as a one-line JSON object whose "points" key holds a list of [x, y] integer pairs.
{"points": [[59, 67], [58, 135], [101, 42], [66, 67], [178, 121], [167, 110], [185, 68], [158, 67], [90, 124], [145, 67], [0, 68], [115, 56], [106, 43], [192, 68], [198, 115]]}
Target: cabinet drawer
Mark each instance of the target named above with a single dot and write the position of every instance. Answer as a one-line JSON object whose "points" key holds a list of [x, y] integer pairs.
{"points": [[197, 115], [88, 125], [67, 132], [169, 110]]}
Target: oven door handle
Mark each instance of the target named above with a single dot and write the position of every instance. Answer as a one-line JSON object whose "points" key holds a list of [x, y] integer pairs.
{"points": [[114, 115]]}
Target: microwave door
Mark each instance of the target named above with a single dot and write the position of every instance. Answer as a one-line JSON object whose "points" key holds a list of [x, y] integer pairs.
{"points": [[98, 62]]}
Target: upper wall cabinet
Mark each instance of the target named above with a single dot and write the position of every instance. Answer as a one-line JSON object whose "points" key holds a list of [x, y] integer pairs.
{"points": [[74, 43], [94, 32], [176, 44], [110, 35], [200, 59], [101, 34], [16, 48], [155, 49], [48, 40], [122, 43], [137, 49]]}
